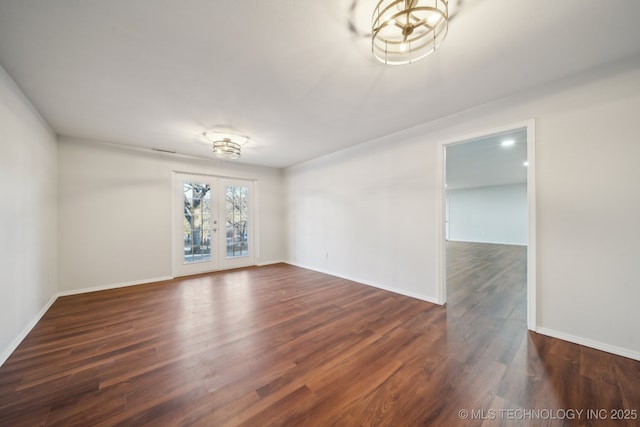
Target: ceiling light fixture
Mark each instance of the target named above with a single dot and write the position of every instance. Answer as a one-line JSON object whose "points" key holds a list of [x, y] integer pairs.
{"points": [[405, 31], [507, 143], [226, 145]]}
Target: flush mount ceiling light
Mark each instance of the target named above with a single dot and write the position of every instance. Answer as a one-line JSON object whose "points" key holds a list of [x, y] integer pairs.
{"points": [[226, 145], [405, 31], [507, 143]]}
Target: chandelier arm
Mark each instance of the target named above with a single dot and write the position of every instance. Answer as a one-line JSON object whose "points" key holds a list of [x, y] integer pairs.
{"points": [[384, 11], [421, 23], [412, 16]]}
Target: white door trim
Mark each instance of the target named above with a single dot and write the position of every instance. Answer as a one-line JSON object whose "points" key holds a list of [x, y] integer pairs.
{"points": [[219, 260], [225, 263], [179, 268], [529, 125]]}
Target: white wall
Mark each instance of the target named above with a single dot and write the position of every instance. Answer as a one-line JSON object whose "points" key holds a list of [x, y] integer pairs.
{"points": [[494, 214], [363, 214], [115, 212], [373, 208], [27, 215]]}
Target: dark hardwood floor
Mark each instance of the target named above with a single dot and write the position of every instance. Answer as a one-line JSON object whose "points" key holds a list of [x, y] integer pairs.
{"points": [[280, 345]]}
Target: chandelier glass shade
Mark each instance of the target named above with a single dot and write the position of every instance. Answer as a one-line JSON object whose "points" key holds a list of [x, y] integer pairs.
{"points": [[225, 145], [405, 31], [226, 149]]}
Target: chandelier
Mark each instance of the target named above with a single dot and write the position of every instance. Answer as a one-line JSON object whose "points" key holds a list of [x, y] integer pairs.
{"points": [[405, 31], [226, 145]]}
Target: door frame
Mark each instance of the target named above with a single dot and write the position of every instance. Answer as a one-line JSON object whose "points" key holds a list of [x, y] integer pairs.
{"points": [[219, 251], [529, 125]]}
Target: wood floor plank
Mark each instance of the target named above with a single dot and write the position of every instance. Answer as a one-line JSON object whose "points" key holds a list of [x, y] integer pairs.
{"points": [[281, 345]]}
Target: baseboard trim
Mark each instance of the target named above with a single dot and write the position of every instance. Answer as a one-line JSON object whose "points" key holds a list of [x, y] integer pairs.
{"points": [[590, 343], [541, 330], [265, 263], [16, 342], [488, 243], [113, 286], [398, 291]]}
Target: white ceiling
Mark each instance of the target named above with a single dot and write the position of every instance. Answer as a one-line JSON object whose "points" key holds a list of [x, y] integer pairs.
{"points": [[485, 161], [297, 76]]}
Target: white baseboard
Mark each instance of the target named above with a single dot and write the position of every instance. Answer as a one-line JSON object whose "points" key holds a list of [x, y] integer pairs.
{"points": [[541, 330], [113, 286], [16, 342], [489, 243], [590, 343], [398, 291], [265, 263]]}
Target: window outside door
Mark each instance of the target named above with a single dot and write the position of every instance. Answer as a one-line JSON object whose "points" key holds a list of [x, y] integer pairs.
{"points": [[236, 249], [213, 224]]}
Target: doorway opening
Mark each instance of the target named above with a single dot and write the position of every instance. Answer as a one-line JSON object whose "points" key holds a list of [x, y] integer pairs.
{"points": [[488, 227]]}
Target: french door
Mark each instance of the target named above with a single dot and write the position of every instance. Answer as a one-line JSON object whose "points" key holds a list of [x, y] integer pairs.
{"points": [[213, 226]]}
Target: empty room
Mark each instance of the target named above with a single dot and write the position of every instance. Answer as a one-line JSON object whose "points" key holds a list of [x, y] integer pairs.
{"points": [[319, 213]]}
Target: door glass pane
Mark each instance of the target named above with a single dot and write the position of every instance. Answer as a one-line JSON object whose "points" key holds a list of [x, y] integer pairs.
{"points": [[197, 222], [237, 221]]}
